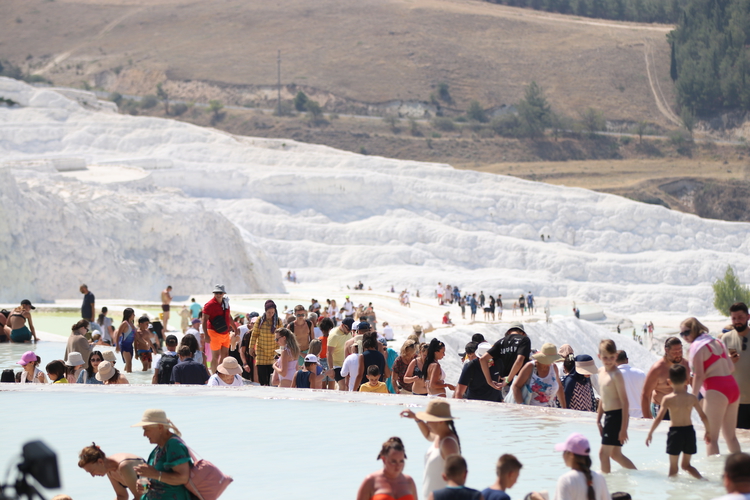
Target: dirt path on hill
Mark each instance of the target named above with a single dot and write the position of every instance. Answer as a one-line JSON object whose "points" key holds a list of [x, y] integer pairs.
{"points": [[109, 27], [653, 82]]}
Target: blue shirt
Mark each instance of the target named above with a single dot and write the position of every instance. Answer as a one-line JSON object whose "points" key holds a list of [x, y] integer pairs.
{"points": [[189, 372], [195, 309]]}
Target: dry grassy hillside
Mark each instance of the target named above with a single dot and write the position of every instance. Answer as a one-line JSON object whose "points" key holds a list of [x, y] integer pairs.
{"points": [[363, 50]]}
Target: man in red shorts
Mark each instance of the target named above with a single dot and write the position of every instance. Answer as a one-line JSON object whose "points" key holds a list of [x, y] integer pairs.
{"points": [[217, 323]]}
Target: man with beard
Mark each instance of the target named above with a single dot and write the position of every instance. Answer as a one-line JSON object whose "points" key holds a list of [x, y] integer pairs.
{"points": [[656, 385], [736, 342]]}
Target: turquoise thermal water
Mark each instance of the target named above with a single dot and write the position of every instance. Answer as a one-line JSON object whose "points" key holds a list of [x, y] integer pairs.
{"points": [[277, 446]]}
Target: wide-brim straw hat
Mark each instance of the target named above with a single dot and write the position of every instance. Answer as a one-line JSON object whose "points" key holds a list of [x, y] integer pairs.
{"points": [[105, 372], [156, 417], [74, 359], [438, 410], [547, 354], [229, 366]]}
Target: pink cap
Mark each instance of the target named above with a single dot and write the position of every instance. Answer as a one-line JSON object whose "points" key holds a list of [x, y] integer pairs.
{"points": [[28, 357], [576, 444]]}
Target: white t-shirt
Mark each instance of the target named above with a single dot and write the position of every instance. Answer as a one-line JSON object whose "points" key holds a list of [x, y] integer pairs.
{"points": [[318, 332], [388, 332], [351, 368], [216, 381], [734, 496], [107, 323], [349, 308], [634, 379], [572, 486]]}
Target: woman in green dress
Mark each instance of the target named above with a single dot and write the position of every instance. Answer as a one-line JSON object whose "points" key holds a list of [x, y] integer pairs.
{"points": [[168, 468]]}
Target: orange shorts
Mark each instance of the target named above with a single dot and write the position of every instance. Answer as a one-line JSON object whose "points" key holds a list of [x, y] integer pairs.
{"points": [[218, 340]]}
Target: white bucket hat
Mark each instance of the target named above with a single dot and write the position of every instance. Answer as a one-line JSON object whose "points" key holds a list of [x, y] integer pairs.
{"points": [[74, 359]]}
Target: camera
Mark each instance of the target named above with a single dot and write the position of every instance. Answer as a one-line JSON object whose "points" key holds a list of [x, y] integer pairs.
{"points": [[39, 462]]}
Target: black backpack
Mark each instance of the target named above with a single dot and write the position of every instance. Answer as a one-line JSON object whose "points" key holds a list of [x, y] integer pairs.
{"points": [[168, 361]]}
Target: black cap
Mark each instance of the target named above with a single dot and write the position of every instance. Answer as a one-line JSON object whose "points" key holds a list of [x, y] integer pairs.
{"points": [[171, 340], [363, 325], [471, 347], [27, 302], [253, 315], [348, 322]]}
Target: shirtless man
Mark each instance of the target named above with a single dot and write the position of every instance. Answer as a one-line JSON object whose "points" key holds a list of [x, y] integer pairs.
{"points": [[614, 407], [166, 300], [657, 385], [303, 330]]}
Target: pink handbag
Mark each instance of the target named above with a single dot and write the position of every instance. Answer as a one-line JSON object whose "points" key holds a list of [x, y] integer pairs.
{"points": [[206, 481]]}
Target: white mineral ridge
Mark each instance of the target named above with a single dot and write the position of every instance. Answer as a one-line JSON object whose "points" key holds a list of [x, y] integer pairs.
{"points": [[339, 217], [126, 239]]}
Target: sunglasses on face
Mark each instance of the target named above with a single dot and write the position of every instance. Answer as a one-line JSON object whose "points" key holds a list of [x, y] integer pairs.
{"points": [[685, 333], [96, 360]]}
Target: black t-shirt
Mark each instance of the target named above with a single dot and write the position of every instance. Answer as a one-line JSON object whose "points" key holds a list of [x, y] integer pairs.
{"points": [[507, 349], [372, 357], [88, 299], [473, 378]]}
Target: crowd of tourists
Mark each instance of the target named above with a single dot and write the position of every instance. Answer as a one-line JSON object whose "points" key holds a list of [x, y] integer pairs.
{"points": [[325, 347]]}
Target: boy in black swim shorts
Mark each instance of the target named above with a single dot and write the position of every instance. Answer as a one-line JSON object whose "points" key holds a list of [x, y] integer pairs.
{"points": [[613, 406], [681, 436]]}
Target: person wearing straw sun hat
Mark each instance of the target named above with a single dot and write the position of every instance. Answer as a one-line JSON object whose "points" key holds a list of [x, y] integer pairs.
{"points": [[168, 465], [228, 374], [539, 381], [436, 425], [109, 375]]}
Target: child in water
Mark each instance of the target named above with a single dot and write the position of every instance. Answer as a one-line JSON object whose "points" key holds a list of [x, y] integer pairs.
{"points": [[681, 437], [614, 407]]}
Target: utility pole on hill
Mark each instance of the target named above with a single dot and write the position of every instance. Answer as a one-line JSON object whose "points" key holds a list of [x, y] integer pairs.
{"points": [[278, 75]]}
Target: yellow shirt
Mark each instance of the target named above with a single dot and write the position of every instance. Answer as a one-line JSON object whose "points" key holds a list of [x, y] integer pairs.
{"points": [[381, 387], [336, 341]]}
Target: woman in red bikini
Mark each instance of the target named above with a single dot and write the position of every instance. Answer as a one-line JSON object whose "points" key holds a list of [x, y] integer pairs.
{"points": [[712, 376], [390, 483]]}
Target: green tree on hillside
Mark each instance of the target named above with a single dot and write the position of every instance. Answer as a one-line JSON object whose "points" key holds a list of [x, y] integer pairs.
{"points": [[710, 60], [300, 101], [162, 94], [688, 120], [593, 120], [444, 92], [476, 112], [534, 111], [215, 108], [728, 290]]}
